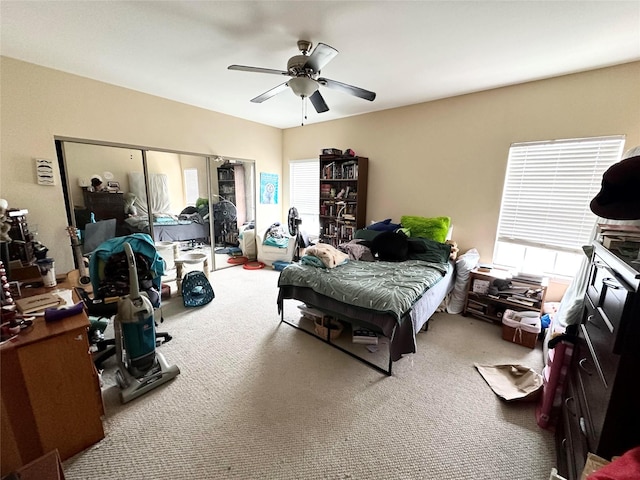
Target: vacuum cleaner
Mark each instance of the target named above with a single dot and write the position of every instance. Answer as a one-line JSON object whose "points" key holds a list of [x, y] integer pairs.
{"points": [[140, 367]]}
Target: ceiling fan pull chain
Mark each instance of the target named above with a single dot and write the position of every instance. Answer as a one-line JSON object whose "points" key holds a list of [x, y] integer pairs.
{"points": [[304, 111]]}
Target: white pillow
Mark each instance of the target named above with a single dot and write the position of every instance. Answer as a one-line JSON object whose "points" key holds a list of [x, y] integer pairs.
{"points": [[464, 264]]}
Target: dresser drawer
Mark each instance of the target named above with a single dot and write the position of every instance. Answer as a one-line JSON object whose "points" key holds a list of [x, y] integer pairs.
{"points": [[574, 441], [602, 340], [599, 271], [593, 394]]}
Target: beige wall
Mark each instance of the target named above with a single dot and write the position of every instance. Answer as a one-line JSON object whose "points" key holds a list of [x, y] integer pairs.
{"points": [[448, 157], [39, 104]]}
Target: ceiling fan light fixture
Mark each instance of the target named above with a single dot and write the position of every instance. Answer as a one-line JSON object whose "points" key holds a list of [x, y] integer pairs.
{"points": [[303, 86]]}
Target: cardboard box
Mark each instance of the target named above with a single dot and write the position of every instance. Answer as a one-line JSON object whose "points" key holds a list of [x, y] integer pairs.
{"points": [[593, 464], [47, 467]]}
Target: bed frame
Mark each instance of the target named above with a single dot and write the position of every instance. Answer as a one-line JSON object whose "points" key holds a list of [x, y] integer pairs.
{"points": [[401, 334]]}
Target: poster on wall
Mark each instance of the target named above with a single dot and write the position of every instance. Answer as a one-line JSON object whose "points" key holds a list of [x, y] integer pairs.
{"points": [[269, 188], [44, 172]]}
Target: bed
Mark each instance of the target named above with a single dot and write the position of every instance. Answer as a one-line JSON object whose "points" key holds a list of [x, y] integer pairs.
{"points": [[170, 229], [167, 226], [359, 292]]}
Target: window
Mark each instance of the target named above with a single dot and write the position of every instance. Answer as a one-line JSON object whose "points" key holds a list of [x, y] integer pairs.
{"points": [[191, 191], [304, 179], [544, 215]]}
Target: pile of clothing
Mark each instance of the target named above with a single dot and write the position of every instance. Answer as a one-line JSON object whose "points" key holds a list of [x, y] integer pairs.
{"points": [[275, 236], [324, 256]]}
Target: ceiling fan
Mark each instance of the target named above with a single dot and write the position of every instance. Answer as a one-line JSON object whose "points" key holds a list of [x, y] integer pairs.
{"points": [[305, 72]]}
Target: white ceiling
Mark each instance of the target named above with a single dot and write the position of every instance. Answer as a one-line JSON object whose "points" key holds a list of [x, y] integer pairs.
{"points": [[407, 52]]}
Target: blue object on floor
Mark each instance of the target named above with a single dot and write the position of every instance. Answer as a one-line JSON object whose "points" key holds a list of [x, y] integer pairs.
{"points": [[280, 265], [545, 320], [196, 289]]}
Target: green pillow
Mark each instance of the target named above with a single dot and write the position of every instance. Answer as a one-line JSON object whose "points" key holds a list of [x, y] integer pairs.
{"points": [[435, 228]]}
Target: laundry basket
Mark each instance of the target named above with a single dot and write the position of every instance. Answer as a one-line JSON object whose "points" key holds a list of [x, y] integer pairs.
{"points": [[522, 328]]}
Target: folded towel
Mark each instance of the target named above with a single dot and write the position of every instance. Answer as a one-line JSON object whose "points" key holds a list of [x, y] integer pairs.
{"points": [[312, 261], [330, 256]]}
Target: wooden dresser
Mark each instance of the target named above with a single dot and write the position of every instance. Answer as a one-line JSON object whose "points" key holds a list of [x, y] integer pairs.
{"points": [[105, 205], [601, 409], [50, 391]]}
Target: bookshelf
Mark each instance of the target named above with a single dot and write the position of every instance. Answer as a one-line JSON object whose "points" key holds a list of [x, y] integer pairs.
{"points": [[343, 197], [227, 182], [524, 294]]}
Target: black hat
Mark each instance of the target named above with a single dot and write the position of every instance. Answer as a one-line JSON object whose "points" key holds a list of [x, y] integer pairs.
{"points": [[95, 181], [619, 197]]}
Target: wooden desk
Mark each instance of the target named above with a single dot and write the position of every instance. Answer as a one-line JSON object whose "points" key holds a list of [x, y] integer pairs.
{"points": [[50, 391]]}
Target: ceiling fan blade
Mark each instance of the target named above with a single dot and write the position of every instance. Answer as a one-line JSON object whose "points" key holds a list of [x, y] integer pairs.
{"points": [[270, 93], [244, 68], [320, 56], [318, 102], [350, 89]]}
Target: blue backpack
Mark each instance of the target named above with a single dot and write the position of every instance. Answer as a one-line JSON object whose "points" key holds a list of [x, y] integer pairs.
{"points": [[196, 289]]}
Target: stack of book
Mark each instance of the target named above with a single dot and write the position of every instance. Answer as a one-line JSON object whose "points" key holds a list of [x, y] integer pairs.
{"points": [[528, 278], [527, 295], [624, 239], [364, 336], [521, 300]]}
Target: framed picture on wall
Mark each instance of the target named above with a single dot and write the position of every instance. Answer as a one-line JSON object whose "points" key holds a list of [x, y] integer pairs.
{"points": [[269, 188]]}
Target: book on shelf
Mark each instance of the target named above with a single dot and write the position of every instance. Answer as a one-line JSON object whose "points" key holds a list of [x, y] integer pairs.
{"points": [[612, 235], [528, 278], [616, 229], [364, 336], [614, 243], [521, 301]]}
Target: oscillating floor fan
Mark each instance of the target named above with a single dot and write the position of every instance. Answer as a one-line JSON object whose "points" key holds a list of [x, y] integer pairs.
{"points": [[224, 218], [294, 222]]}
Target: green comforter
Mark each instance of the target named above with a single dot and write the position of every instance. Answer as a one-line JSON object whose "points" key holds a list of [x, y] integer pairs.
{"points": [[390, 287]]}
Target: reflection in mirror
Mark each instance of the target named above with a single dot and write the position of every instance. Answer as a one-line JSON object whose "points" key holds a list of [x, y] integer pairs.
{"points": [[178, 203], [98, 182], [233, 207], [170, 202]]}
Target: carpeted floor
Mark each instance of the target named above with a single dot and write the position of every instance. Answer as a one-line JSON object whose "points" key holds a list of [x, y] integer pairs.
{"points": [[257, 399]]}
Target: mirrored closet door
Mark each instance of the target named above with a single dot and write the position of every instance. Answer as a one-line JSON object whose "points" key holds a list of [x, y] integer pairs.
{"points": [[233, 207], [171, 196]]}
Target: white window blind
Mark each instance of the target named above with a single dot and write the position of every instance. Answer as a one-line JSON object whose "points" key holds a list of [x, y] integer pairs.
{"points": [[304, 179], [548, 188]]}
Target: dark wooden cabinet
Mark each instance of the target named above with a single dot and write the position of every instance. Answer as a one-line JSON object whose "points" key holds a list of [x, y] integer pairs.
{"points": [[105, 205], [343, 197], [601, 409]]}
